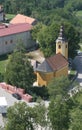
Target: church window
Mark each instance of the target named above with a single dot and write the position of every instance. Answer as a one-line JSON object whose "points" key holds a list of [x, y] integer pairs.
{"points": [[59, 46]]}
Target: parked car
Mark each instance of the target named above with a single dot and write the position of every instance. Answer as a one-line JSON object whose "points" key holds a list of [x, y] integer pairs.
{"points": [[17, 96]]}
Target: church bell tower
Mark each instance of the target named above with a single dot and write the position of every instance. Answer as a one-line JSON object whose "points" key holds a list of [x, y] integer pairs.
{"points": [[62, 44]]}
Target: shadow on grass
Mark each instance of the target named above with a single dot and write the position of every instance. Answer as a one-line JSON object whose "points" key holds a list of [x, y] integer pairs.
{"points": [[3, 57]]}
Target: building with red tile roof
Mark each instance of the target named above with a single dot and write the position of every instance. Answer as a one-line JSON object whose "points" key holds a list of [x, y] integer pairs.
{"points": [[19, 18], [11, 34]]}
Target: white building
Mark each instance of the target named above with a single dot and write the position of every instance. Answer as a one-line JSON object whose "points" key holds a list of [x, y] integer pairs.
{"points": [[10, 35]]}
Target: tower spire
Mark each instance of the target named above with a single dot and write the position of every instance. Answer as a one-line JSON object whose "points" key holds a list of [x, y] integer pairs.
{"points": [[61, 43], [61, 36]]}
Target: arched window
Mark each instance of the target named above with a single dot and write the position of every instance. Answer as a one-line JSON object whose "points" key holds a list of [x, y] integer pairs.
{"points": [[59, 46]]}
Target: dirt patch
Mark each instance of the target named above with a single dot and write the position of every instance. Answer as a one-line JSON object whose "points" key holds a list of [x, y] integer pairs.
{"points": [[36, 55]]}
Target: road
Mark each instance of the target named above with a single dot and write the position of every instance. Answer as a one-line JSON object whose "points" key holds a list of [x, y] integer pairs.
{"points": [[78, 64]]}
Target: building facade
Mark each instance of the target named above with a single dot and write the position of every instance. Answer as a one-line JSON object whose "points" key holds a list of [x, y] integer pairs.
{"points": [[10, 35]]}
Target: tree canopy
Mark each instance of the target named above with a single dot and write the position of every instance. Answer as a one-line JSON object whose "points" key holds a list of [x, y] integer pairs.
{"points": [[19, 71], [23, 117], [20, 116], [59, 115], [59, 87], [47, 35]]}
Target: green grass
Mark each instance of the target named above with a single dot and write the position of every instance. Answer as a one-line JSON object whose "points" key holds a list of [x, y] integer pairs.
{"points": [[80, 46], [3, 63], [10, 16], [73, 72], [79, 13]]}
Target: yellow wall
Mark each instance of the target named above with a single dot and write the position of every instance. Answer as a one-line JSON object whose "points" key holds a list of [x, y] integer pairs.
{"points": [[61, 72], [45, 78], [63, 50]]}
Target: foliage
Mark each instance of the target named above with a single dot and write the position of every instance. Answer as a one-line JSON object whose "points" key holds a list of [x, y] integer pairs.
{"points": [[40, 111], [44, 10], [19, 71], [39, 91], [47, 35], [58, 86], [73, 38], [20, 116], [76, 119], [59, 115]]}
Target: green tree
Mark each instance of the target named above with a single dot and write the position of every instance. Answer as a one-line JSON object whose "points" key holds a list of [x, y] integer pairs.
{"points": [[73, 38], [19, 71], [40, 112], [59, 87], [59, 115], [76, 119], [47, 36], [20, 117]]}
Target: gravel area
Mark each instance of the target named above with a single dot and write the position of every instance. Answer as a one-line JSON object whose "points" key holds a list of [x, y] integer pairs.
{"points": [[36, 55]]}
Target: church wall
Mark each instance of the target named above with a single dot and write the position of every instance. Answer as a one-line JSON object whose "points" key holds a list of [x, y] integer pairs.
{"points": [[61, 72], [44, 78]]}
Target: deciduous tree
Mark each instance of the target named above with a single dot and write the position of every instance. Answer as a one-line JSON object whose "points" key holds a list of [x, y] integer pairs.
{"points": [[58, 86], [19, 71], [20, 117], [59, 115]]}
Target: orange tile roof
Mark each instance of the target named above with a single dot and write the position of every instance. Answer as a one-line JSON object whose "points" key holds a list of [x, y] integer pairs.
{"points": [[53, 63], [14, 29], [57, 61], [19, 18]]}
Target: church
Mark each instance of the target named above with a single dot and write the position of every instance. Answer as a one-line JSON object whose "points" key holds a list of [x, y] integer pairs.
{"points": [[56, 65]]}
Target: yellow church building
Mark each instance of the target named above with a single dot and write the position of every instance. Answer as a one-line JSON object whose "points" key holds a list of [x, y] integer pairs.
{"points": [[56, 65]]}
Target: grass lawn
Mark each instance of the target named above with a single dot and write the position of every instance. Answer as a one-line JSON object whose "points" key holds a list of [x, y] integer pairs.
{"points": [[3, 63], [80, 46], [72, 74], [10, 16]]}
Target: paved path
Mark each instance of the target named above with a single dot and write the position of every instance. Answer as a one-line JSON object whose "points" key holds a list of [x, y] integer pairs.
{"points": [[78, 64]]}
